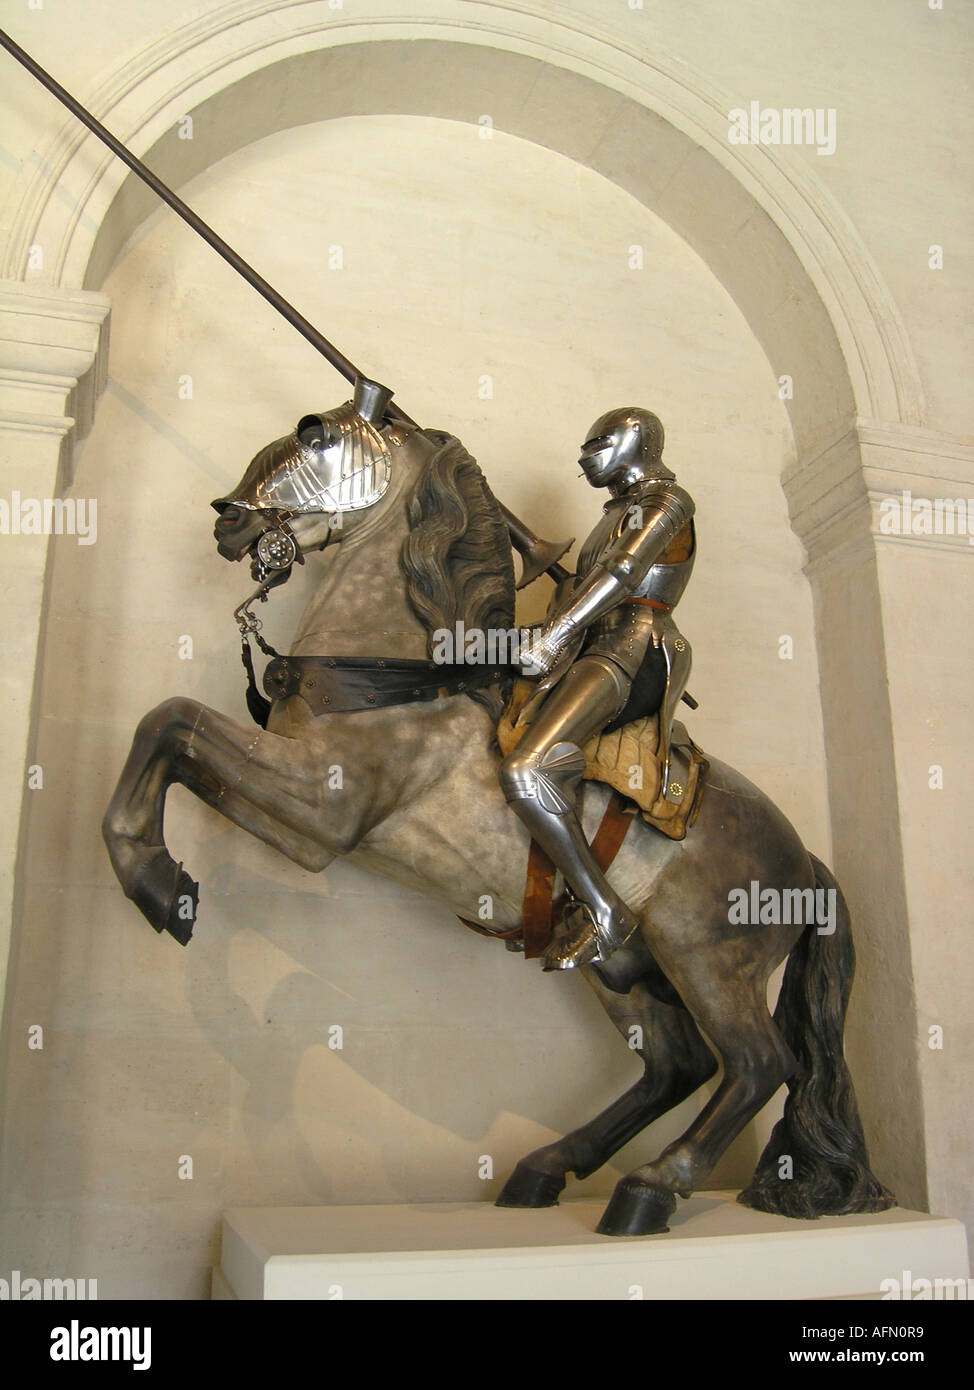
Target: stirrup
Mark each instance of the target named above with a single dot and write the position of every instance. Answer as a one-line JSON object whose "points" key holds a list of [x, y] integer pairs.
{"points": [[587, 941]]}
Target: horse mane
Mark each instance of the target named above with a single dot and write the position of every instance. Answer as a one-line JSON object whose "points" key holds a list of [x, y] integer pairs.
{"points": [[457, 558]]}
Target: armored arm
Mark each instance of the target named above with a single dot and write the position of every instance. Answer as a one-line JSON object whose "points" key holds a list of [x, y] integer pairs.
{"points": [[647, 529]]}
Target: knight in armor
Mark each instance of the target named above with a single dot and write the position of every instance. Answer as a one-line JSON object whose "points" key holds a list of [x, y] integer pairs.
{"points": [[609, 652]]}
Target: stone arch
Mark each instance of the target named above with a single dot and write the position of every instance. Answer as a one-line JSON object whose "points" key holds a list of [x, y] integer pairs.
{"points": [[756, 215]]}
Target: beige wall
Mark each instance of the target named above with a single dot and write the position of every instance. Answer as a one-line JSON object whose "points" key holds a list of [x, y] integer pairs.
{"points": [[509, 260], [220, 1051]]}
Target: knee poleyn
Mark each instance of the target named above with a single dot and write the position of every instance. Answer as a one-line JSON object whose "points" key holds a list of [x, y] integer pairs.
{"points": [[551, 775], [518, 776]]}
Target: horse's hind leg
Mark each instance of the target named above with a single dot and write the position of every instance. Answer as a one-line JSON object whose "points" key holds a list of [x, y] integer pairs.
{"points": [[756, 1061], [676, 1061]]}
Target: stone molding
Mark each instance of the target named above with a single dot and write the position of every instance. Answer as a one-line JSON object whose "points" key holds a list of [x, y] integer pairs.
{"points": [[53, 364], [835, 498]]}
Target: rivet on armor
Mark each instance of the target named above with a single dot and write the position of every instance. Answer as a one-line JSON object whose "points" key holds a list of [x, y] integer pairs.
{"points": [[680, 645], [676, 788], [370, 699]]}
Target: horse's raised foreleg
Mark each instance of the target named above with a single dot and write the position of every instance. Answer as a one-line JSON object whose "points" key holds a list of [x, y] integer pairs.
{"points": [[272, 786], [677, 1062]]}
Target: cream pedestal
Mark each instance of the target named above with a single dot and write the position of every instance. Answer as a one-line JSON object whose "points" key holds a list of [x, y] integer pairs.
{"points": [[715, 1249]]}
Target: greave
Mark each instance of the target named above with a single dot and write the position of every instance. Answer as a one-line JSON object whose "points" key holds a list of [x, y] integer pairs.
{"points": [[541, 792]]}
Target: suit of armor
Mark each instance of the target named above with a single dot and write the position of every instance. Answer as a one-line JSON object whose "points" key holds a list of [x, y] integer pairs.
{"points": [[608, 652]]}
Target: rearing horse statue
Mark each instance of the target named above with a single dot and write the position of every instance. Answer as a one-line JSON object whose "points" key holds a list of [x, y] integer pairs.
{"points": [[422, 546]]}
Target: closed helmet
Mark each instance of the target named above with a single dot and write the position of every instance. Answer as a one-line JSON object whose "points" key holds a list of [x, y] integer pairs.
{"points": [[623, 445]]}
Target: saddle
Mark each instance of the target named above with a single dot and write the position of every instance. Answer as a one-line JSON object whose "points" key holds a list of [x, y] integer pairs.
{"points": [[627, 760]]}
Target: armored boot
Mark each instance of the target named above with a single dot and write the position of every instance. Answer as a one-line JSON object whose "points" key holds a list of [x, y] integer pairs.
{"points": [[587, 940]]}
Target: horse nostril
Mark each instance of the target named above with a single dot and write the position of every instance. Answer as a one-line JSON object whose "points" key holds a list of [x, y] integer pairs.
{"points": [[229, 516]]}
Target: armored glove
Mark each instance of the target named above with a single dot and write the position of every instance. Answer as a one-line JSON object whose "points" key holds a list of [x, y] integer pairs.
{"points": [[539, 655]]}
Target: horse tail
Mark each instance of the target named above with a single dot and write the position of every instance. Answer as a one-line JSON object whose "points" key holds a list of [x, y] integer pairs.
{"points": [[820, 1131]]}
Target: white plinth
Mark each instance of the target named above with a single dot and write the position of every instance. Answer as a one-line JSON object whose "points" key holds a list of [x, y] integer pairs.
{"points": [[714, 1249]]}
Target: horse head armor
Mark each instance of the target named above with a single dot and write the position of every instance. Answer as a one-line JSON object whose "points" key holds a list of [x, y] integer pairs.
{"points": [[333, 462]]}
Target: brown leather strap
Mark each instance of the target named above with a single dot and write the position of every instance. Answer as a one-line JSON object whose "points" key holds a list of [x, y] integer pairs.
{"points": [[539, 887], [651, 603], [513, 935], [611, 833], [539, 914]]}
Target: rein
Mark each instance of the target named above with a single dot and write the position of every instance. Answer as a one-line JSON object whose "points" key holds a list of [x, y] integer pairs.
{"points": [[350, 684], [250, 626]]}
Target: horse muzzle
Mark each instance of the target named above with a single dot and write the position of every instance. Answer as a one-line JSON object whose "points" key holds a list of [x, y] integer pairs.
{"points": [[238, 529]]}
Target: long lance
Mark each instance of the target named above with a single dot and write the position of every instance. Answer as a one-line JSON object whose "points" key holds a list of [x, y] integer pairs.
{"points": [[538, 556]]}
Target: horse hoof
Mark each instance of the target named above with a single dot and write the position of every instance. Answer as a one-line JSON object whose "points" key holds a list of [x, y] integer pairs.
{"points": [[637, 1209], [527, 1187], [166, 896]]}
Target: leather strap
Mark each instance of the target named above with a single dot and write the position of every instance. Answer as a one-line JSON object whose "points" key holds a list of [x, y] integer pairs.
{"points": [[347, 684], [539, 914], [513, 935], [611, 833], [651, 603], [539, 887]]}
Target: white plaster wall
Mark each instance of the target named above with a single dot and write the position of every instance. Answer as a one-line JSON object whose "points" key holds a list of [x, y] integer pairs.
{"points": [[462, 258]]}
